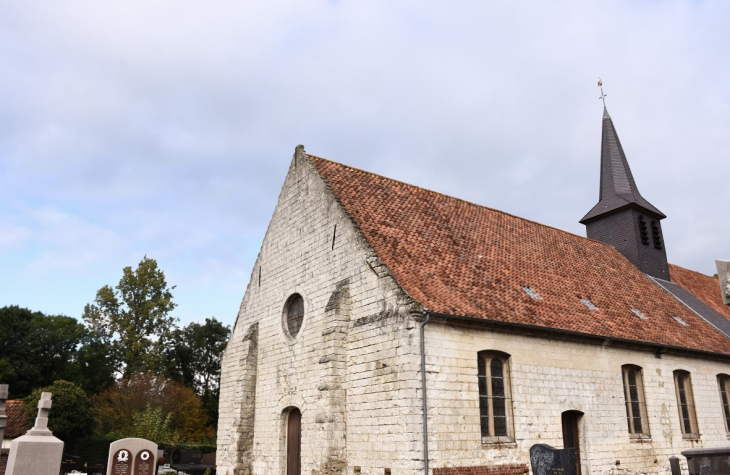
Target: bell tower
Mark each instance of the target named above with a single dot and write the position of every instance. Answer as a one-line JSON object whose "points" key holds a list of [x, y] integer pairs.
{"points": [[622, 217]]}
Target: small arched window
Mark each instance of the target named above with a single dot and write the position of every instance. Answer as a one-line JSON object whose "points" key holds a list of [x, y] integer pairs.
{"points": [[724, 381], [686, 405], [294, 314], [656, 234], [643, 231], [636, 414], [495, 402]]}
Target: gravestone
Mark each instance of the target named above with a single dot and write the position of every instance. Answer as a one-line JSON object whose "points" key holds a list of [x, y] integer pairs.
{"points": [[96, 467], [547, 460], [69, 463], [37, 452], [132, 457], [193, 457]]}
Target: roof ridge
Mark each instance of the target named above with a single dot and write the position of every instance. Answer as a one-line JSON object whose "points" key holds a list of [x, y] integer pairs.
{"points": [[459, 199]]}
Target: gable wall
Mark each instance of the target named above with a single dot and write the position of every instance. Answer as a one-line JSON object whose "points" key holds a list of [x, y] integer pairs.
{"points": [[549, 377], [351, 370]]}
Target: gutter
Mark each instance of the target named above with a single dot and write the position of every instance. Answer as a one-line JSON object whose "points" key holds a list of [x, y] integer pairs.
{"points": [[423, 391], [658, 348]]}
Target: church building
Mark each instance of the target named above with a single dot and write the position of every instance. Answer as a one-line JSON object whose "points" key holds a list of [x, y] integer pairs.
{"points": [[392, 330]]}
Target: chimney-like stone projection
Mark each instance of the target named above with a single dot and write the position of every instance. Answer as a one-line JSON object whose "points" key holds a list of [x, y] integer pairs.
{"points": [[723, 274]]}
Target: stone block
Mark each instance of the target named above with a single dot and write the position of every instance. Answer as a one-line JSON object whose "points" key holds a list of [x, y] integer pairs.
{"points": [[723, 274]]}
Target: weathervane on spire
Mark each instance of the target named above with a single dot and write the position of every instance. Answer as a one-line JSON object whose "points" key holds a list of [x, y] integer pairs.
{"points": [[603, 96]]}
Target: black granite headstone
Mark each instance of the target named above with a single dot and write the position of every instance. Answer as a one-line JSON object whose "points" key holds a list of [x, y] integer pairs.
{"points": [[193, 457], [69, 463], [96, 467], [547, 460]]}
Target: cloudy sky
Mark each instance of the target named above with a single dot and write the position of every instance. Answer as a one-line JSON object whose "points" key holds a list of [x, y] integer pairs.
{"points": [[165, 128]]}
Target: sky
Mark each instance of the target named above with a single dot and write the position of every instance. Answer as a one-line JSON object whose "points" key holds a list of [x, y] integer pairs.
{"points": [[165, 128]]}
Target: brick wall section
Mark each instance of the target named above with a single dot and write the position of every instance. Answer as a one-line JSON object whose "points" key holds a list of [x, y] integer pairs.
{"points": [[509, 469]]}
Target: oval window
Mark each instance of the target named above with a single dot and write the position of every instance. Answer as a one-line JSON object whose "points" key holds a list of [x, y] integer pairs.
{"points": [[294, 314]]}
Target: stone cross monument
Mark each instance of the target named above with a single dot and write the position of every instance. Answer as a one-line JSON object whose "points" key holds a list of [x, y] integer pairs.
{"points": [[723, 274], [37, 452], [3, 417]]}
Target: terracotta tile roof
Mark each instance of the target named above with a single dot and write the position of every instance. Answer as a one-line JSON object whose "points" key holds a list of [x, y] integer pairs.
{"points": [[460, 258], [703, 287], [16, 424]]}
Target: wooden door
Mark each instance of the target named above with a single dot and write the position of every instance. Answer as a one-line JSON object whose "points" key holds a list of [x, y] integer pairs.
{"points": [[571, 438], [294, 443]]}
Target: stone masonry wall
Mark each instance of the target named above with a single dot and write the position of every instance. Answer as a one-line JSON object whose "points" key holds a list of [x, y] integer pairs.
{"points": [[549, 377], [352, 370]]}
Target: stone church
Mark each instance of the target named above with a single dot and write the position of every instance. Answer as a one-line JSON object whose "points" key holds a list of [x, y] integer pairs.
{"points": [[392, 330]]}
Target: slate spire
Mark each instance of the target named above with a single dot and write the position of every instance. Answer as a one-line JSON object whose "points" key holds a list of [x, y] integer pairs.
{"points": [[622, 217], [618, 188]]}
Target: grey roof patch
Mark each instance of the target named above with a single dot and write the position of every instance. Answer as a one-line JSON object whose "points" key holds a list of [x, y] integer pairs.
{"points": [[720, 323]]}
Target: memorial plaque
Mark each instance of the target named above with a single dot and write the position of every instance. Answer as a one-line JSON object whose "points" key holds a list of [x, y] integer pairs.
{"points": [[144, 463], [96, 467], [132, 457], [547, 460], [69, 463], [121, 462], [193, 457]]}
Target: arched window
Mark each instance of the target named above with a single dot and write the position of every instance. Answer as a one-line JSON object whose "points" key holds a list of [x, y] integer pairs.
{"points": [[495, 402], [294, 314], [643, 231], [686, 405], [724, 381], [636, 414], [656, 234]]}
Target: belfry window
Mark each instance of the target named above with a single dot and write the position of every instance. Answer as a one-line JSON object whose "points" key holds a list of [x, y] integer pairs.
{"points": [[643, 231], [656, 234], [724, 381], [636, 414], [495, 402], [294, 314], [686, 405]]}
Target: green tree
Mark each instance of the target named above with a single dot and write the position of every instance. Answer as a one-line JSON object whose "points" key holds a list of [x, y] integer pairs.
{"points": [[71, 416], [36, 350], [194, 359], [134, 319]]}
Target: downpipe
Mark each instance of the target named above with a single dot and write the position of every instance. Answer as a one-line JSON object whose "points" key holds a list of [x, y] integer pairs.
{"points": [[423, 391]]}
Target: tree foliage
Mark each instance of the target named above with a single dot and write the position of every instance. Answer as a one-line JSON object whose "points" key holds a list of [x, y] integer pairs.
{"points": [[133, 318], [36, 350], [194, 359], [71, 415], [132, 406]]}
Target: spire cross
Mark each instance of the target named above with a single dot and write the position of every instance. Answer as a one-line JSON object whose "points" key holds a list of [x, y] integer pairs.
{"points": [[603, 96]]}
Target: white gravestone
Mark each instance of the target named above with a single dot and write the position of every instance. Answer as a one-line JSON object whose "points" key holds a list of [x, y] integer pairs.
{"points": [[723, 273], [132, 457], [37, 452]]}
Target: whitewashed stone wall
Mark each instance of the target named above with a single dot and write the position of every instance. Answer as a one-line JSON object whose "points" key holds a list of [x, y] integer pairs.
{"points": [[550, 377], [351, 370]]}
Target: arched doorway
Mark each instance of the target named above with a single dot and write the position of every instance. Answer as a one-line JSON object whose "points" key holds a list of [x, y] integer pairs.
{"points": [[294, 442], [571, 435]]}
